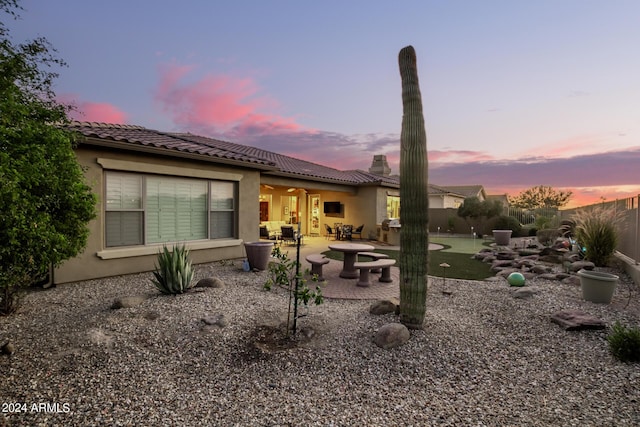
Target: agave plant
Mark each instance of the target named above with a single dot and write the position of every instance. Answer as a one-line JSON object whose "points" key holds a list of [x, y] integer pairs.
{"points": [[173, 272], [596, 230]]}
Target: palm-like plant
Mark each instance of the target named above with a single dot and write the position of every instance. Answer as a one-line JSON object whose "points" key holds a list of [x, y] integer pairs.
{"points": [[596, 230], [173, 272]]}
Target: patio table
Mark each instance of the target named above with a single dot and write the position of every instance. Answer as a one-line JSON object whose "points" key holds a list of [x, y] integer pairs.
{"points": [[350, 251]]}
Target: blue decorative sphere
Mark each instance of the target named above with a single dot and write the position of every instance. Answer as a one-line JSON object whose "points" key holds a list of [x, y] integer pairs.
{"points": [[516, 279]]}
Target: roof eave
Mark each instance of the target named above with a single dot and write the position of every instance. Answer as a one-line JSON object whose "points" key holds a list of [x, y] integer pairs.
{"points": [[171, 153]]}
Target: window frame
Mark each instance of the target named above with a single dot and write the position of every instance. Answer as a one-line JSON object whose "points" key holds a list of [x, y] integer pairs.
{"points": [[231, 234]]}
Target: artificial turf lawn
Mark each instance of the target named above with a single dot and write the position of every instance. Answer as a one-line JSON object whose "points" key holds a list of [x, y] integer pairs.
{"points": [[461, 264]]}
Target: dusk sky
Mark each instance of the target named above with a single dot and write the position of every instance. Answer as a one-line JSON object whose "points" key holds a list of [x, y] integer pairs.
{"points": [[515, 93]]}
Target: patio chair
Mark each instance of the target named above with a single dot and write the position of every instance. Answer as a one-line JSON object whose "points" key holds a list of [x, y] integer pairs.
{"points": [[358, 231], [288, 234], [329, 231], [347, 231]]}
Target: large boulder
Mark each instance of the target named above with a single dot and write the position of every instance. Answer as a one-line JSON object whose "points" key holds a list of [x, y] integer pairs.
{"points": [[385, 307], [391, 335], [575, 320]]}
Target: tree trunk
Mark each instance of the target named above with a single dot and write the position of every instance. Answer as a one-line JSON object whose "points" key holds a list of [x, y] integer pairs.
{"points": [[414, 200]]}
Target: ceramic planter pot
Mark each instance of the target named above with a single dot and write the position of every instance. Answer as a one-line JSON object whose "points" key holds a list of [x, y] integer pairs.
{"points": [[502, 237], [258, 254], [597, 286]]}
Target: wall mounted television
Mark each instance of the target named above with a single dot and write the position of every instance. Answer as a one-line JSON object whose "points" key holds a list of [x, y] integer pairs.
{"points": [[332, 207]]}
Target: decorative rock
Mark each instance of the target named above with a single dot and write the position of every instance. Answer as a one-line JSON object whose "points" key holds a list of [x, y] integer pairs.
{"points": [[500, 264], [216, 320], [210, 282], [128, 302], [541, 269], [384, 307], [572, 280], [524, 293], [580, 265], [506, 255], [575, 320], [553, 259], [7, 348], [391, 335]]}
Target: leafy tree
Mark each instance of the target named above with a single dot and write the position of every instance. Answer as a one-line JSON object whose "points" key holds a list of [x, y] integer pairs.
{"points": [[541, 196], [473, 208], [44, 203], [414, 215]]}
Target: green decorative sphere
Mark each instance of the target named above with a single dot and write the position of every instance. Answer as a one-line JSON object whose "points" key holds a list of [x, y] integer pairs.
{"points": [[516, 279]]}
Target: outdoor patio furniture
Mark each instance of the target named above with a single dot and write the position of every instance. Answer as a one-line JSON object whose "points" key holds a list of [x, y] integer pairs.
{"points": [[358, 231], [329, 231], [317, 261], [346, 232], [350, 251], [366, 267], [374, 256]]}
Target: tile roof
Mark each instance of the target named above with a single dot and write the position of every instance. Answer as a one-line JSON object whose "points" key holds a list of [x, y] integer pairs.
{"points": [[143, 137], [289, 166], [466, 190], [271, 163]]}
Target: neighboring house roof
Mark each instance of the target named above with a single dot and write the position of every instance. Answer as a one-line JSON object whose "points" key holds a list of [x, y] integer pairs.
{"points": [[500, 197], [468, 190]]}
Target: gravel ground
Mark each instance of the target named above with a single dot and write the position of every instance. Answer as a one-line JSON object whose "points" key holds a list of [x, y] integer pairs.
{"points": [[484, 358]]}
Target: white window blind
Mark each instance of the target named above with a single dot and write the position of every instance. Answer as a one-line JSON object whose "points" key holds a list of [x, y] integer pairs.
{"points": [[222, 216], [124, 216], [148, 209], [176, 209]]}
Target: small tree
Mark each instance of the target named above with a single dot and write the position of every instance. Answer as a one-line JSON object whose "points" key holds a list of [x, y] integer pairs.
{"points": [[473, 208], [541, 196], [44, 203], [285, 273]]}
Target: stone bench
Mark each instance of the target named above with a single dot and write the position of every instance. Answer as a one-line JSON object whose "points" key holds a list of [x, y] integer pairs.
{"points": [[366, 267], [375, 256], [317, 261]]}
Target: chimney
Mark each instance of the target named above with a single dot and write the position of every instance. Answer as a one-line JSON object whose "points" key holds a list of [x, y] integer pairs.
{"points": [[379, 165]]}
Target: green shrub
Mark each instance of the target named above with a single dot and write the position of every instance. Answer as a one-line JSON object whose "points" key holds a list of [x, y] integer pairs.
{"points": [[596, 230], [173, 272], [624, 343], [508, 223]]}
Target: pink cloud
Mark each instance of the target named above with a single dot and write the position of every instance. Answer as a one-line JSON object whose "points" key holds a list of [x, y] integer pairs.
{"points": [[217, 104], [100, 112], [458, 156], [93, 111]]}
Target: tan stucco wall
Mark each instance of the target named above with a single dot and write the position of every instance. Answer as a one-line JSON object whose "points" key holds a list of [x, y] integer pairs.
{"points": [[97, 261]]}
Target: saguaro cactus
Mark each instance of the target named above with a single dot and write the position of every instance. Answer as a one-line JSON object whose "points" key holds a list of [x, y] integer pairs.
{"points": [[414, 200]]}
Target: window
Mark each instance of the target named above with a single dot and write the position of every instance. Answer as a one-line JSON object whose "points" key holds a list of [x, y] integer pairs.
{"points": [[222, 209], [148, 209], [123, 216], [393, 206]]}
